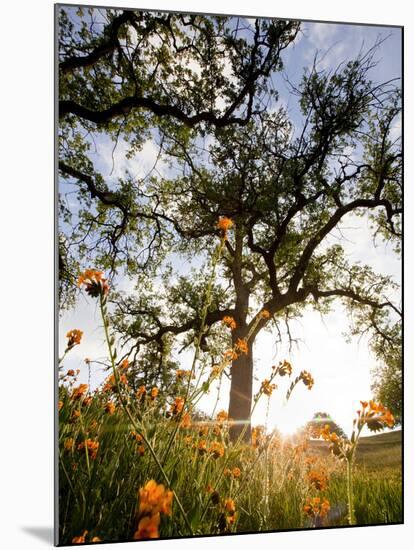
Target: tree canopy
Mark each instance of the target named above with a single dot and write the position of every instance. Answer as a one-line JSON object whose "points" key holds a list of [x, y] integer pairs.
{"points": [[202, 88]]}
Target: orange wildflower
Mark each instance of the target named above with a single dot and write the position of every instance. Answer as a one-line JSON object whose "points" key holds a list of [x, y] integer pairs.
{"points": [[110, 407], [95, 284], [177, 406], [317, 507], [264, 314], [141, 450], [148, 527], [68, 445], [242, 346], [318, 480], [154, 498], [230, 506], [154, 393], [124, 364], [230, 355], [186, 421], [307, 379], [224, 224], [202, 446], [79, 391], [91, 446], [236, 472], [216, 449], [80, 539], [74, 337], [70, 372], [285, 368], [267, 388], [141, 391], [96, 539], [229, 322]]}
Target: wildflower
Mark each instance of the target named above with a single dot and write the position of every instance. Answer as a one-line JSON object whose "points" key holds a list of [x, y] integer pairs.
{"points": [[154, 393], [315, 507], [60, 405], [317, 479], [141, 450], [124, 364], [307, 379], [188, 440], [177, 406], [74, 337], [216, 449], [209, 488], [230, 355], [203, 430], [376, 416], [79, 391], [264, 314], [229, 506], [257, 436], [70, 372], [186, 421], [148, 528], [154, 498], [222, 416], [285, 368], [95, 284], [96, 539], [111, 383], [87, 401], [241, 346], [68, 444], [202, 446], [141, 391], [236, 472], [229, 322], [182, 373], [137, 437], [224, 224], [110, 407], [91, 446], [75, 415], [80, 539], [267, 388]]}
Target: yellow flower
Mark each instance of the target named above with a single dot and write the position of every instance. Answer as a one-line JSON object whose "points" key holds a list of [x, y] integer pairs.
{"points": [[229, 322], [94, 282], [236, 472], [74, 337], [148, 527]]}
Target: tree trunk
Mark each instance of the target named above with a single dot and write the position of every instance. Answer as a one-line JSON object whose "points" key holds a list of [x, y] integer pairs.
{"points": [[241, 391]]}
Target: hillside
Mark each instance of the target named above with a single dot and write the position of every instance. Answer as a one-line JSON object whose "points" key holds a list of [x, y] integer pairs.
{"points": [[382, 450]]}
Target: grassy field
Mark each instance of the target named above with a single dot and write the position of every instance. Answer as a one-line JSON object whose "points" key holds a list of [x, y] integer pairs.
{"points": [[377, 480]]}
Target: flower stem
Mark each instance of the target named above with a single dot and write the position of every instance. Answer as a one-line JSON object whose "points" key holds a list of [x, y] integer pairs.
{"points": [[131, 418]]}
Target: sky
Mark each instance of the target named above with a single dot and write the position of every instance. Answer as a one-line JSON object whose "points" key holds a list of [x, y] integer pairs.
{"points": [[341, 369]]}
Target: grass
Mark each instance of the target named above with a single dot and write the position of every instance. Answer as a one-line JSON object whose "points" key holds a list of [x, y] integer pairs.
{"points": [[139, 464]]}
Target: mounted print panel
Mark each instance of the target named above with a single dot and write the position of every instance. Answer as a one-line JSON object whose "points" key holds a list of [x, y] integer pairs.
{"points": [[229, 202]]}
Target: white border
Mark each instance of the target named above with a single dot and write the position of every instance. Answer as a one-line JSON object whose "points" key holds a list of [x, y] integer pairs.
{"points": [[26, 401]]}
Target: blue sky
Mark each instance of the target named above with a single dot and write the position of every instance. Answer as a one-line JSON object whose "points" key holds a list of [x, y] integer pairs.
{"points": [[341, 369]]}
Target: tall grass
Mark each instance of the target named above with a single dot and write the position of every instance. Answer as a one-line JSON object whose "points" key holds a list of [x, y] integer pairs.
{"points": [[136, 465]]}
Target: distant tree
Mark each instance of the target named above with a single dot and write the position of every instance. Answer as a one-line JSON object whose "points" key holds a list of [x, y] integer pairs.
{"points": [[321, 419]]}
